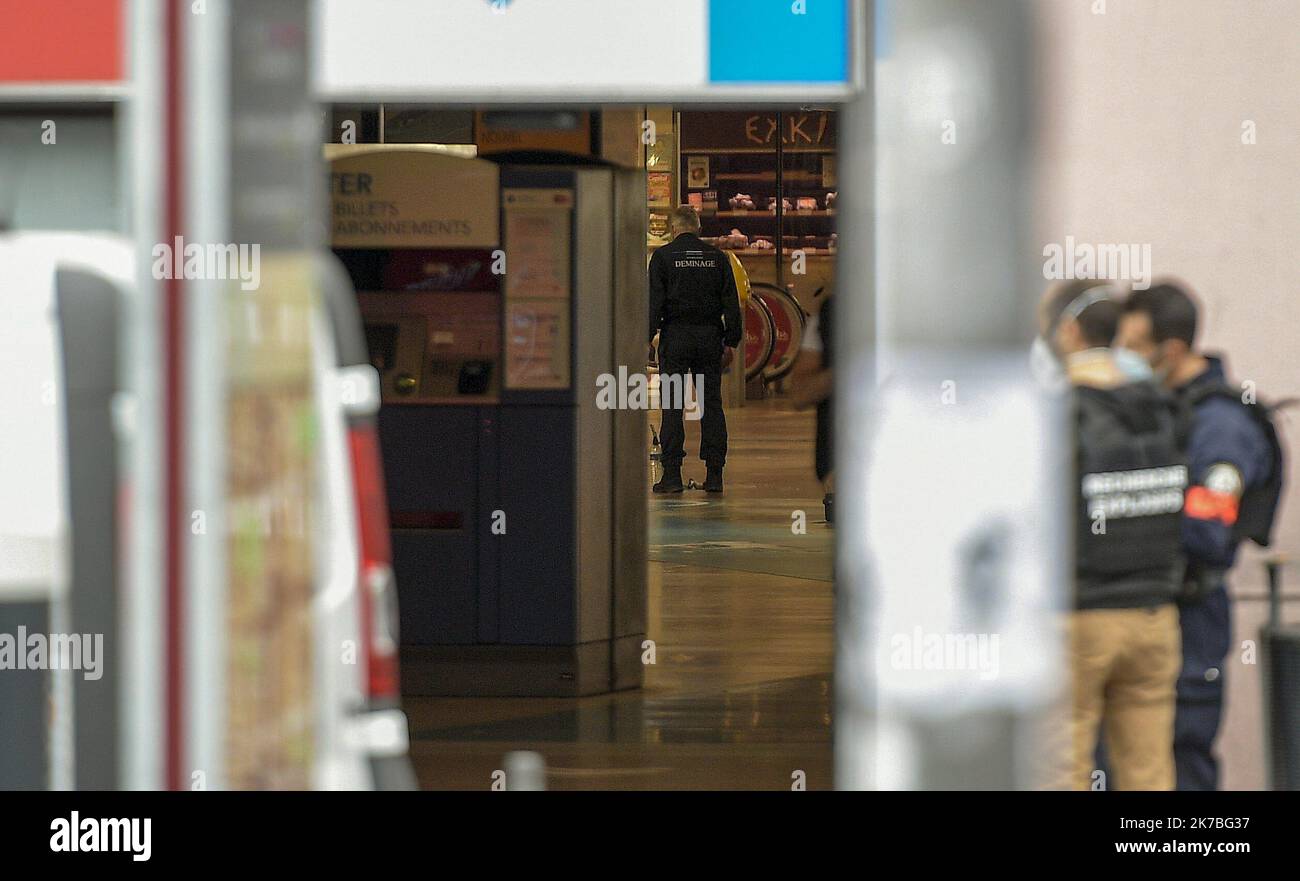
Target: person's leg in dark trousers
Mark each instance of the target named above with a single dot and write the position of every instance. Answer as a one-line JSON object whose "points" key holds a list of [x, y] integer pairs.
{"points": [[713, 429], [674, 369], [1196, 722], [1206, 629], [822, 457]]}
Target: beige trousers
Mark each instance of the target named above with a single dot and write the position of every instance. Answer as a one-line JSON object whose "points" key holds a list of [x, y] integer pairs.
{"points": [[1124, 666]]}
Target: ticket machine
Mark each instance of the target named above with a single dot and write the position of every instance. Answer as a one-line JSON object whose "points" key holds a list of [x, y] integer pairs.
{"points": [[493, 297]]}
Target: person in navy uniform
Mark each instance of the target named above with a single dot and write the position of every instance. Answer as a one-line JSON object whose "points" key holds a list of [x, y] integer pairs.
{"points": [[1229, 455], [695, 310]]}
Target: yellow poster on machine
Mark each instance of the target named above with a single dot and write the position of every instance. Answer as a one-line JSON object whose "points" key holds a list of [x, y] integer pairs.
{"points": [[538, 246], [537, 344], [537, 242]]}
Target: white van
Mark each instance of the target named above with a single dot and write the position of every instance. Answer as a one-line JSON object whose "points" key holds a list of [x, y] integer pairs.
{"points": [[65, 512], [50, 369]]}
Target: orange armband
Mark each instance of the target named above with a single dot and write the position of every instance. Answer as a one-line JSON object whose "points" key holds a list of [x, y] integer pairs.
{"points": [[1202, 503]]}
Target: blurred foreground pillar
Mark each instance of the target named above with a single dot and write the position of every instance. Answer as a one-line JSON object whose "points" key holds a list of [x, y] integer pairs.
{"points": [[951, 548]]}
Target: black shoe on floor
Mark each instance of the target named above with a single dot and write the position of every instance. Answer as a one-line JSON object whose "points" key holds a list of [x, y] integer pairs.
{"points": [[671, 482], [713, 482], [829, 502]]}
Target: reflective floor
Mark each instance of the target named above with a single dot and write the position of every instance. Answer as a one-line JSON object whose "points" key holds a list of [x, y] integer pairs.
{"points": [[740, 610]]}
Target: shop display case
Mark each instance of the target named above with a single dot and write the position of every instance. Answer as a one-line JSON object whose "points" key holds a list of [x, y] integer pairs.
{"points": [[661, 175], [764, 183]]}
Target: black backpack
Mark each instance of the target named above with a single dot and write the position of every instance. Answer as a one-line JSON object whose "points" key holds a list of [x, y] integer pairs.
{"points": [[1258, 506]]}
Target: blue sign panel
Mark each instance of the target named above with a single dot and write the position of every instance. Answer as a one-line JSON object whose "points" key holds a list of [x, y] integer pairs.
{"points": [[779, 41]]}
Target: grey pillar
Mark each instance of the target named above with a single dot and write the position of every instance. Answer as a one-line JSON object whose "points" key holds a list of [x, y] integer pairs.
{"points": [[936, 174]]}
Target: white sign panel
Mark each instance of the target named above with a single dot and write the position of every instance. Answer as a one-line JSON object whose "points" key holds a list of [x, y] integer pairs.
{"points": [[514, 51]]}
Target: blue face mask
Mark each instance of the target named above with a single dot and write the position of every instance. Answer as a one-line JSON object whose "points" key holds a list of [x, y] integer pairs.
{"points": [[1131, 364]]}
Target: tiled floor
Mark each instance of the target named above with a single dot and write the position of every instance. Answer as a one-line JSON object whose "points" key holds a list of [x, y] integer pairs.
{"points": [[740, 611]]}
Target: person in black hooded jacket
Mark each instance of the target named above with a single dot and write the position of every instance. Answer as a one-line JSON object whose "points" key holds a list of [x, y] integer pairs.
{"points": [[1129, 479]]}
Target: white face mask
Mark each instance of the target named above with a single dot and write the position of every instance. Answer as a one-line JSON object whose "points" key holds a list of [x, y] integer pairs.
{"points": [[1133, 365], [1045, 366]]}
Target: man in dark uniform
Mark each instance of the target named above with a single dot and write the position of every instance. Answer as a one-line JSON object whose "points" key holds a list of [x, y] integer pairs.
{"points": [[1229, 455], [696, 312]]}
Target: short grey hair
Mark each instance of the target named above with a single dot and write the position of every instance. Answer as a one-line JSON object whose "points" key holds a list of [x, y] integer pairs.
{"points": [[684, 219]]}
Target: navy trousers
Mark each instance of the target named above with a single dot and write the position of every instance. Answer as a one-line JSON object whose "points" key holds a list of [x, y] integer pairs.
{"points": [[1207, 635]]}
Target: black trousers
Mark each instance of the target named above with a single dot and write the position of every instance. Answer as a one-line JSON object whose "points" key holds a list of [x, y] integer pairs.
{"points": [[1207, 638], [685, 352]]}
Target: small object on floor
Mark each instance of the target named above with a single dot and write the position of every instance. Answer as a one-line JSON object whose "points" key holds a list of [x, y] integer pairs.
{"points": [[713, 482], [656, 455], [671, 482], [829, 502], [525, 771]]}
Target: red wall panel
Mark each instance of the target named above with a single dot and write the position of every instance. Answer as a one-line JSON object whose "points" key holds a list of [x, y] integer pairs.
{"points": [[61, 41]]}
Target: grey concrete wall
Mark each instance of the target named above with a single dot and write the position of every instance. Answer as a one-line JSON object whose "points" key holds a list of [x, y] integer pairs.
{"points": [[1142, 110]]}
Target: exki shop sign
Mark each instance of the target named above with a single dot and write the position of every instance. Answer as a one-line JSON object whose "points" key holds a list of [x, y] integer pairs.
{"points": [[729, 130], [797, 130]]}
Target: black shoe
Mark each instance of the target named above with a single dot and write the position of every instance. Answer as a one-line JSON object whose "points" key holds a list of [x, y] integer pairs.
{"points": [[671, 482], [713, 482], [829, 502]]}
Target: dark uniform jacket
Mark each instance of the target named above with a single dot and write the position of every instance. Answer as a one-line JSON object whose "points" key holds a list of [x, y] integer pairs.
{"points": [[1222, 432], [691, 284], [1223, 435]]}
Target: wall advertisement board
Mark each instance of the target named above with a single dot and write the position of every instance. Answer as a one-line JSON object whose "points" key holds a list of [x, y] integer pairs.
{"points": [[538, 243], [415, 199]]}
